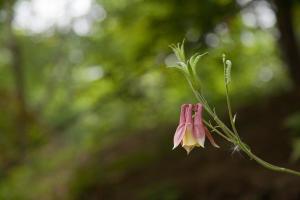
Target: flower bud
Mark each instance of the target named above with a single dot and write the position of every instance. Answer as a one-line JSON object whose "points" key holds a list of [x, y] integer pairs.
{"points": [[228, 71]]}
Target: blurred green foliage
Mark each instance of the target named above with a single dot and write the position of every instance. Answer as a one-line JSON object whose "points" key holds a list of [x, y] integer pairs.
{"points": [[86, 93]]}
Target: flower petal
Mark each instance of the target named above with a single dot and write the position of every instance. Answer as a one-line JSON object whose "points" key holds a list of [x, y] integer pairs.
{"points": [[210, 138], [199, 131], [179, 135], [182, 113], [189, 141], [189, 114], [181, 127], [188, 138]]}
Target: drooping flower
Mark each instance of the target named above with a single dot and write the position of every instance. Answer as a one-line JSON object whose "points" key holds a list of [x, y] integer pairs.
{"points": [[191, 131]]}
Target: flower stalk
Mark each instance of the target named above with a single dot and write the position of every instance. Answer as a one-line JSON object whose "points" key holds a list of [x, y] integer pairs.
{"points": [[188, 67]]}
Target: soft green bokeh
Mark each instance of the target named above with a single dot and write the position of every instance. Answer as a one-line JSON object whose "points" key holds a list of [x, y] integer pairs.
{"points": [[86, 94]]}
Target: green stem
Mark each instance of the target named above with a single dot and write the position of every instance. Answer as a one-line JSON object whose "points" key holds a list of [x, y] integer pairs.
{"points": [[228, 134], [202, 100], [260, 161], [228, 100], [232, 136], [230, 111], [266, 164], [217, 131]]}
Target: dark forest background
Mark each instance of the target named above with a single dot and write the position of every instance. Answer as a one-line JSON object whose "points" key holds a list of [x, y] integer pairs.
{"points": [[88, 108]]}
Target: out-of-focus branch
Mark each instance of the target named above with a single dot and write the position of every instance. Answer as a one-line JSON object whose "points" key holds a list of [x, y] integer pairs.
{"points": [[18, 75], [287, 40], [55, 76]]}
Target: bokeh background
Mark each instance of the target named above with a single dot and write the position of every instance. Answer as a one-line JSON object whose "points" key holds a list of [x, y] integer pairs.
{"points": [[88, 108]]}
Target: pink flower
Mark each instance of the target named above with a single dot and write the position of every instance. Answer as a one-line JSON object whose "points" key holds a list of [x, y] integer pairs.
{"points": [[191, 131]]}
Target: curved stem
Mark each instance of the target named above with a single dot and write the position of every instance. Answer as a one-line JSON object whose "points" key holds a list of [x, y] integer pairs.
{"points": [[232, 136], [260, 161], [228, 134], [266, 164]]}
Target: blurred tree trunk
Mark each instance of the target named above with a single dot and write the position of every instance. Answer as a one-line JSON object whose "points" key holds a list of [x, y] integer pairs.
{"points": [[18, 76], [287, 40]]}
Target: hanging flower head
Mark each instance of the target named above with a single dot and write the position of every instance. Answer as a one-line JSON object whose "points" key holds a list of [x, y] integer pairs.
{"points": [[191, 131]]}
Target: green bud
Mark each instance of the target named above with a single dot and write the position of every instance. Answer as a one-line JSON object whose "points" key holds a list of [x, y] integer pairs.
{"points": [[228, 71]]}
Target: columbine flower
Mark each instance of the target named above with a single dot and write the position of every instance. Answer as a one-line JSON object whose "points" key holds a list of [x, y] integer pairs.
{"points": [[191, 131]]}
